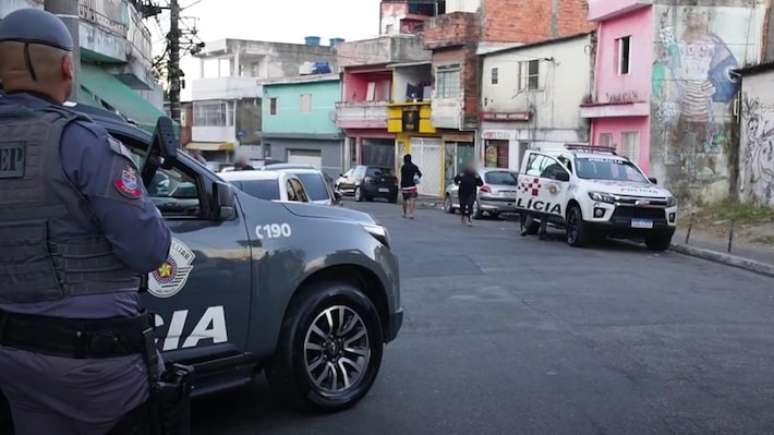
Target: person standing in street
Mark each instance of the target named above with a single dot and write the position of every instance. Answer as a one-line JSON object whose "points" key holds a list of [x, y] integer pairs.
{"points": [[77, 232], [410, 176], [468, 182]]}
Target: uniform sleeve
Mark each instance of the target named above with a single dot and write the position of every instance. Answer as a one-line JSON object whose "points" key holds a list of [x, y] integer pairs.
{"points": [[102, 169]]}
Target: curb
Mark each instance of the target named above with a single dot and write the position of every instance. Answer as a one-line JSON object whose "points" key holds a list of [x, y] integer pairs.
{"points": [[727, 259]]}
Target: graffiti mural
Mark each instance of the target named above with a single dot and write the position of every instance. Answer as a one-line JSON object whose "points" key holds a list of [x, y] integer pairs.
{"points": [[757, 152], [693, 88]]}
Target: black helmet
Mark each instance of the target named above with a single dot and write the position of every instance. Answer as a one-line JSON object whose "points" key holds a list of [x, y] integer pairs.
{"points": [[35, 26]]}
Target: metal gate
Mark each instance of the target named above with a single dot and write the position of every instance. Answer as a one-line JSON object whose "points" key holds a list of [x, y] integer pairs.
{"points": [[426, 153]]}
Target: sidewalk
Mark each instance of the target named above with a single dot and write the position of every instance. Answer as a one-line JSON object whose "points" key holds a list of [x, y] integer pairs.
{"points": [[713, 246]]}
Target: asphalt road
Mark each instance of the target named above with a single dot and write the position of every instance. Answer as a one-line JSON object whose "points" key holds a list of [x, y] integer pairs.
{"points": [[508, 335]]}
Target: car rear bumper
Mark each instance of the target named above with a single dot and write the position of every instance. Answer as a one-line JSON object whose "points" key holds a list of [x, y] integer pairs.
{"points": [[499, 205], [375, 191], [394, 324]]}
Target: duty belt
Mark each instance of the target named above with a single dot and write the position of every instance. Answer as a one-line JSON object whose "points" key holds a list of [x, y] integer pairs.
{"points": [[76, 338]]}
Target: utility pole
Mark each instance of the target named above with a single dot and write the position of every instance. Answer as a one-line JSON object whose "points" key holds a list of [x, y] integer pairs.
{"points": [[67, 11], [173, 67]]}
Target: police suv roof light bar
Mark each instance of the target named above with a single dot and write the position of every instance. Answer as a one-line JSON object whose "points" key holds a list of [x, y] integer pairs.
{"points": [[591, 148]]}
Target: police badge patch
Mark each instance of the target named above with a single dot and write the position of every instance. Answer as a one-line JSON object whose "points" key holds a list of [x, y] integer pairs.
{"points": [[170, 277], [128, 185]]}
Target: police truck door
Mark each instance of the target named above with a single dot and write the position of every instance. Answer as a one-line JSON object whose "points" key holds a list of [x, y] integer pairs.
{"points": [[203, 291]]}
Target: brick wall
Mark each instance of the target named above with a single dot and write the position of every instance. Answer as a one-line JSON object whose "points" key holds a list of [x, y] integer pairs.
{"points": [[533, 20], [459, 28]]}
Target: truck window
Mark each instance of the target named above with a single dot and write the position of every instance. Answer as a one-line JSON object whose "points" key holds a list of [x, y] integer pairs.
{"points": [[175, 193], [551, 168], [300, 193], [535, 165], [314, 186], [291, 191]]}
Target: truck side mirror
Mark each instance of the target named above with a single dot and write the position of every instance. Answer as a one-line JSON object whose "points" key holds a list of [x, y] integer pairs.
{"points": [[162, 151], [653, 180], [223, 202]]}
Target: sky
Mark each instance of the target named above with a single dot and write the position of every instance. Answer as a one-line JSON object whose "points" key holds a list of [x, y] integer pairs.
{"points": [[271, 20]]}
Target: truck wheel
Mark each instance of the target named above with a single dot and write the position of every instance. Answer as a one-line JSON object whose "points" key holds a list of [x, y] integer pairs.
{"points": [[659, 242], [358, 194], [529, 226], [448, 204], [577, 232], [329, 350]]}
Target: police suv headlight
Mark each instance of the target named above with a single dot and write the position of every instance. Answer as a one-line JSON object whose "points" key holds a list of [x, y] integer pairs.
{"points": [[671, 201], [602, 197], [379, 233]]}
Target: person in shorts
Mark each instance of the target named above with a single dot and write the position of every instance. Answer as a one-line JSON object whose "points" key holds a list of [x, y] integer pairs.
{"points": [[409, 178]]}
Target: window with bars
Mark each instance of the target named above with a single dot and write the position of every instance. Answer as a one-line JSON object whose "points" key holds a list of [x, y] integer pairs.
{"points": [[273, 106], [447, 81], [630, 145], [495, 75]]}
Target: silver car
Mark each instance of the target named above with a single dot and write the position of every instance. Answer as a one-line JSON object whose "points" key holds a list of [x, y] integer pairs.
{"points": [[497, 195]]}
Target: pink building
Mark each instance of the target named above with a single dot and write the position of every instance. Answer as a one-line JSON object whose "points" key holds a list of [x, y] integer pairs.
{"points": [[619, 110], [665, 86]]}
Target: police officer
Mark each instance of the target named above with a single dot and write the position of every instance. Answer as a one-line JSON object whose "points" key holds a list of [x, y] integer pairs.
{"points": [[76, 232]]}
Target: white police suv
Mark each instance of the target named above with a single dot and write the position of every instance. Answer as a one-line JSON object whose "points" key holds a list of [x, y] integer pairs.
{"points": [[593, 192]]}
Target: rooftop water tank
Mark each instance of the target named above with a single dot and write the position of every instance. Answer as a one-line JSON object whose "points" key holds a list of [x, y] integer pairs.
{"points": [[312, 40]]}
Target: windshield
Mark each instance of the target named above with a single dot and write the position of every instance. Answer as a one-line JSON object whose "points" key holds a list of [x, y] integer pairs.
{"points": [[500, 177], [608, 169], [263, 189], [315, 187]]}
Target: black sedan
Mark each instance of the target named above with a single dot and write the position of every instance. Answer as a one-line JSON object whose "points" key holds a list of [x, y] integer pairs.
{"points": [[368, 182]]}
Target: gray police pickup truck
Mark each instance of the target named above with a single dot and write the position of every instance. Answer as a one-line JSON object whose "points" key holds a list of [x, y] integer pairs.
{"points": [[308, 293]]}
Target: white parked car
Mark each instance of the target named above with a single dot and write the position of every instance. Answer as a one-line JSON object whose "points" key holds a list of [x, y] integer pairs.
{"points": [[268, 185], [591, 192], [318, 186], [497, 195]]}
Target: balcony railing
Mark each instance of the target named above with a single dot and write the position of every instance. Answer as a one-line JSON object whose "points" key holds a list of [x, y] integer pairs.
{"points": [[364, 114]]}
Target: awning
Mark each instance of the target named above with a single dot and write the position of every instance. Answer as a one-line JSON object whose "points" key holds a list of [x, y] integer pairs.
{"points": [[210, 146], [101, 89]]}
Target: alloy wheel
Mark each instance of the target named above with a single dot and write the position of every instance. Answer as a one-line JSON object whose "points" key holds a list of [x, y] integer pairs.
{"points": [[336, 349]]}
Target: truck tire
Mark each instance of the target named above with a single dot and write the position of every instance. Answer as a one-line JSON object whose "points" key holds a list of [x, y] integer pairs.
{"points": [[329, 350], [577, 231], [529, 226], [659, 242]]}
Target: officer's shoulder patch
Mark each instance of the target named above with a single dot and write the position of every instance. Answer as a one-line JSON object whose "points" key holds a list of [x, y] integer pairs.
{"points": [[127, 183]]}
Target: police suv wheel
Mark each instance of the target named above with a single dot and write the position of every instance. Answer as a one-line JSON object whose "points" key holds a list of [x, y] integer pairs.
{"points": [[330, 349], [577, 231], [659, 242]]}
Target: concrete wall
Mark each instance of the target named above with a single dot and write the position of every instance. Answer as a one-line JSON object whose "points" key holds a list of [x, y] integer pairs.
{"points": [[330, 150], [564, 82], [756, 151], [462, 6], [693, 91], [226, 88], [382, 50], [290, 118]]}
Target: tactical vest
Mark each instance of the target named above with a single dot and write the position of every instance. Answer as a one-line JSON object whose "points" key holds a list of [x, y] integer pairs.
{"points": [[46, 251]]}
